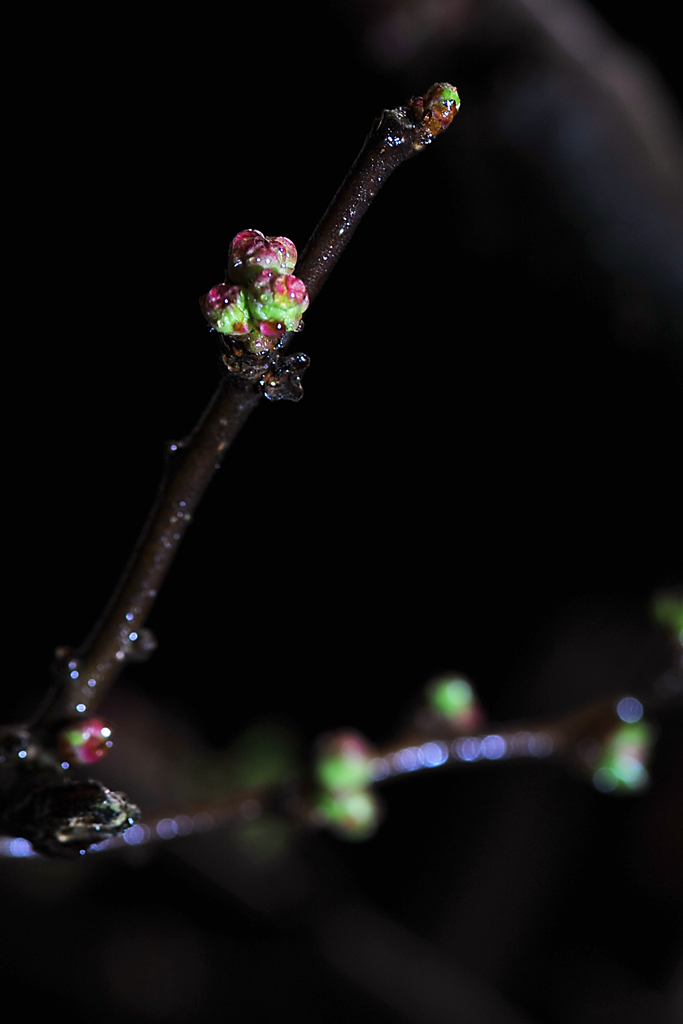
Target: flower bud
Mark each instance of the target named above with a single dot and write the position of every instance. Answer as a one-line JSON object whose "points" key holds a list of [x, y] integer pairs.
{"points": [[343, 762], [437, 108], [622, 764], [225, 307], [252, 252], [276, 302], [350, 815], [84, 742]]}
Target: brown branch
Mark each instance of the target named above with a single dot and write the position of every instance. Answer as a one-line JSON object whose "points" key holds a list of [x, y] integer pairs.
{"points": [[85, 675], [37, 800]]}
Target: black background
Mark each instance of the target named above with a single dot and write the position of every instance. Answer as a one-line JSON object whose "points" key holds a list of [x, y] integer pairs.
{"points": [[482, 476]]}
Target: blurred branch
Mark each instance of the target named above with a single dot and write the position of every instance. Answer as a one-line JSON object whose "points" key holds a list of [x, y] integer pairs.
{"points": [[578, 33], [259, 776]]}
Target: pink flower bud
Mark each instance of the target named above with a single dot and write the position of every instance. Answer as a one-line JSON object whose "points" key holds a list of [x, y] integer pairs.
{"points": [[216, 298], [277, 302], [226, 310], [252, 252]]}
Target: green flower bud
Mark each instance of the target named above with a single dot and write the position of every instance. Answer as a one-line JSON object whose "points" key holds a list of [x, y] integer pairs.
{"points": [[453, 698], [352, 816], [277, 301], [622, 765], [343, 762]]}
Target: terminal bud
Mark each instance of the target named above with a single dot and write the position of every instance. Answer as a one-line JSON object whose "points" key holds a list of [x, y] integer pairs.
{"points": [[436, 109]]}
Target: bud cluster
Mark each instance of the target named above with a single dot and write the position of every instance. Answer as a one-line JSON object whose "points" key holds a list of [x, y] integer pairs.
{"points": [[345, 801], [261, 298]]}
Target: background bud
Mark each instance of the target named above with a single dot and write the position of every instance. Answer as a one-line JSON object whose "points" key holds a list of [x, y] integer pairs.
{"points": [[343, 762], [84, 742], [453, 699], [349, 815], [622, 764]]}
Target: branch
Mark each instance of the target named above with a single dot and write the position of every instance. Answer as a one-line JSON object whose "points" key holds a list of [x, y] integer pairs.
{"points": [[32, 758], [85, 675], [607, 741]]}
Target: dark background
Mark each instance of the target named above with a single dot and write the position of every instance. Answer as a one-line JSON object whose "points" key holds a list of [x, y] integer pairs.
{"points": [[482, 476]]}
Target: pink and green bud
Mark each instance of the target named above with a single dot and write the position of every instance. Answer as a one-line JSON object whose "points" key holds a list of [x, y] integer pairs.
{"points": [[84, 742], [225, 307], [437, 108], [343, 762], [262, 299], [454, 700], [252, 252], [623, 763], [353, 816], [276, 302]]}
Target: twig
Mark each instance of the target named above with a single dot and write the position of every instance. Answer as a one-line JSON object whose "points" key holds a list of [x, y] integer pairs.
{"points": [[85, 675]]}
